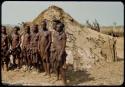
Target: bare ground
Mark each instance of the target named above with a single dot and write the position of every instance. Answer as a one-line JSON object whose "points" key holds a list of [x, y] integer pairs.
{"points": [[106, 74]]}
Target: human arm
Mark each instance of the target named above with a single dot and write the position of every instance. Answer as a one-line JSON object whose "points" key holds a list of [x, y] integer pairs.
{"points": [[49, 43]]}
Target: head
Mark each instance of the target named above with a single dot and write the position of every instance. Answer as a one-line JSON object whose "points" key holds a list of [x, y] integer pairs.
{"points": [[59, 27], [16, 29], [27, 29], [23, 24], [3, 29], [44, 24], [55, 22], [34, 28]]}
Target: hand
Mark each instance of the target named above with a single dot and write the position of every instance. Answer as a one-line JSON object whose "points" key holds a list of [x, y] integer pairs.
{"points": [[17, 46], [59, 58], [65, 66]]}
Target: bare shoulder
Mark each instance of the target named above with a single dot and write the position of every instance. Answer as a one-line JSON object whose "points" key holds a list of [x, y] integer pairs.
{"points": [[63, 34]]}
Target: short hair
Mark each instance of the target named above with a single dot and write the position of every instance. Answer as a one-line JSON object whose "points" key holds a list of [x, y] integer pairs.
{"points": [[57, 21], [44, 20], [62, 25], [27, 26], [17, 28], [34, 25], [4, 27]]}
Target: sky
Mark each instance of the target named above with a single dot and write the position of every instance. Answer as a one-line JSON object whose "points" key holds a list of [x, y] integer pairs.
{"points": [[106, 13]]}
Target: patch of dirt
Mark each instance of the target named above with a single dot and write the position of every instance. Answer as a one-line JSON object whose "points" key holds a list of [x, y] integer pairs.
{"points": [[102, 73], [107, 74]]}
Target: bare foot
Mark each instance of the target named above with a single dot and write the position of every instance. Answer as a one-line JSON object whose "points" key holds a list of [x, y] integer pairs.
{"points": [[57, 79], [44, 74], [64, 82]]}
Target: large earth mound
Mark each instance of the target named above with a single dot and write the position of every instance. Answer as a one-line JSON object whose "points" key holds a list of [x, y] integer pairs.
{"points": [[85, 47]]}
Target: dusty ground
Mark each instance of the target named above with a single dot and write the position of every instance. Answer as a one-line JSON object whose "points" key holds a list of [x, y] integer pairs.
{"points": [[106, 74]]}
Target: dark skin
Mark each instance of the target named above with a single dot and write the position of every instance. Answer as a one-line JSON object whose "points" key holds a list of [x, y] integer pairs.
{"points": [[55, 22], [52, 47], [15, 39], [35, 32], [3, 30], [60, 43], [44, 47], [53, 54], [4, 48], [16, 44], [34, 45], [25, 45]]}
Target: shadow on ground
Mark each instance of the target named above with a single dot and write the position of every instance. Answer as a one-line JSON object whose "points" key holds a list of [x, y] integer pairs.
{"points": [[120, 59], [77, 77]]}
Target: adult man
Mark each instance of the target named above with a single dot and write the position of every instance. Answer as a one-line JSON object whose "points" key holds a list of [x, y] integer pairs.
{"points": [[60, 44], [34, 46], [45, 43], [52, 49], [26, 46], [16, 50], [4, 48]]}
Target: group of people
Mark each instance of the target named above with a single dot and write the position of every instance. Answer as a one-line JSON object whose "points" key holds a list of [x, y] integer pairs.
{"points": [[37, 47]]}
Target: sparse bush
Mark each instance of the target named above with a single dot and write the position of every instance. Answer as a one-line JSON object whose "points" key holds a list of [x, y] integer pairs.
{"points": [[118, 32]]}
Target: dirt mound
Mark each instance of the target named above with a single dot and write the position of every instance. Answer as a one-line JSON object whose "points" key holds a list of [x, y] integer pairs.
{"points": [[87, 50], [85, 47]]}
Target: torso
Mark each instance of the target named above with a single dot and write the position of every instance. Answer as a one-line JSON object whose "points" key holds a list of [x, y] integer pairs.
{"points": [[15, 40], [26, 39], [34, 39], [4, 42], [59, 39], [44, 38]]}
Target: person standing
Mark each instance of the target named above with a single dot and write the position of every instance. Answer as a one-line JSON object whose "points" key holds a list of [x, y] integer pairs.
{"points": [[16, 50], [4, 48], [34, 46], [45, 43], [60, 45], [26, 37]]}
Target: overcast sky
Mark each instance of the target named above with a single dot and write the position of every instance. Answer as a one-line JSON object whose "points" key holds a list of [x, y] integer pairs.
{"points": [[14, 12]]}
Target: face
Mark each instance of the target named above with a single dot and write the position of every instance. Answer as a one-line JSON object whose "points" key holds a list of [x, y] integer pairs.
{"points": [[3, 30], [34, 28], [58, 28], [27, 29], [43, 24], [15, 30]]}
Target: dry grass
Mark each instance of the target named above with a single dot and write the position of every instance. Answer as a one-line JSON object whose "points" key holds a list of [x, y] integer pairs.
{"points": [[118, 31]]}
